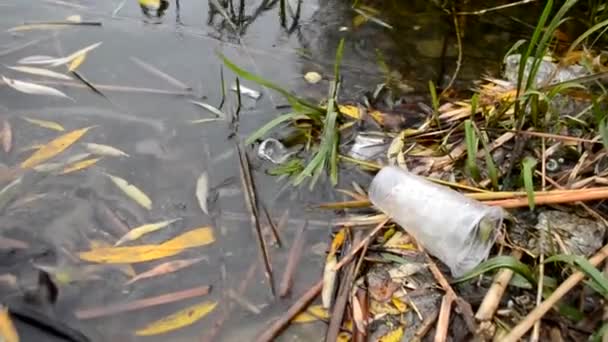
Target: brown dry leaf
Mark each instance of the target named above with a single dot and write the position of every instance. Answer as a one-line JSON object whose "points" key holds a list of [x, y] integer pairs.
{"points": [[54, 147], [393, 336], [164, 268], [8, 333], [122, 255], [313, 313], [6, 136], [80, 165], [178, 320]]}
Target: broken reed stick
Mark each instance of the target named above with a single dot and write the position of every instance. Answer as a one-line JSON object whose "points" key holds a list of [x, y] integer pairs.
{"points": [[292, 261], [563, 196], [492, 298], [269, 333], [362, 244], [344, 293], [121, 307], [362, 297], [443, 323], [522, 328]]}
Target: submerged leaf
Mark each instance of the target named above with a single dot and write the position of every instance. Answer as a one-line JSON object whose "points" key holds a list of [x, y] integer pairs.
{"points": [[104, 150], [79, 165], [54, 147], [8, 333], [138, 232], [132, 191], [45, 124], [329, 281], [177, 320], [40, 72], [6, 136], [132, 254], [202, 189], [164, 268], [34, 89], [313, 313], [392, 336]]}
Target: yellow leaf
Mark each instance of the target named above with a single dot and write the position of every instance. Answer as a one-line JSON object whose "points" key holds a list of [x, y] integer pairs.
{"points": [[138, 232], [54, 147], [76, 62], [337, 242], [353, 112], [45, 124], [359, 20], [80, 165], [151, 4], [377, 308], [8, 333], [132, 254], [343, 337], [393, 336], [313, 313], [401, 306], [329, 281], [132, 191], [177, 320]]}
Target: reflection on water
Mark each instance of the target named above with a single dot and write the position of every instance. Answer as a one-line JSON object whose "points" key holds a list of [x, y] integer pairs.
{"points": [[58, 216]]}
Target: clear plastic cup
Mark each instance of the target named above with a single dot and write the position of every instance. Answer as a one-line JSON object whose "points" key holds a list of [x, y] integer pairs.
{"points": [[457, 230]]}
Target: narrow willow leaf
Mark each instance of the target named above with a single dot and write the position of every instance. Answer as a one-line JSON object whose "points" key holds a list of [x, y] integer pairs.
{"points": [[45, 124], [202, 189], [76, 62], [54, 147], [80, 165], [586, 267], [132, 254], [54, 61], [8, 333], [104, 150], [209, 108], [329, 281], [527, 172], [142, 230], [499, 262], [132, 191], [34, 89], [40, 72], [6, 136], [313, 313], [164, 268], [177, 320]]}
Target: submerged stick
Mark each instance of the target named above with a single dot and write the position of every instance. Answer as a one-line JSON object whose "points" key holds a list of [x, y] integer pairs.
{"points": [[251, 202], [270, 332], [159, 73], [121, 307], [522, 328], [292, 261]]}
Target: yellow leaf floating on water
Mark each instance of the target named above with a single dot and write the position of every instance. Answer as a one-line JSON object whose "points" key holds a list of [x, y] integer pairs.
{"points": [[177, 320], [164, 268], [76, 62], [337, 242], [138, 232], [132, 254], [313, 313], [45, 124], [54, 147], [343, 337], [80, 165], [132, 191], [353, 112], [393, 336], [8, 333]]}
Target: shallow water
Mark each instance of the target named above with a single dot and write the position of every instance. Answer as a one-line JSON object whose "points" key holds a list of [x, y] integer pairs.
{"points": [[168, 153]]}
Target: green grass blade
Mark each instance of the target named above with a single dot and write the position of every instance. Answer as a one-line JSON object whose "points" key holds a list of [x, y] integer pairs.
{"points": [[584, 266], [586, 34], [499, 262], [492, 169], [270, 125], [471, 142], [528, 165]]}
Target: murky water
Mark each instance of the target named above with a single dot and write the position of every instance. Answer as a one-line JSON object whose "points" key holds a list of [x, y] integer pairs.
{"points": [[59, 215]]}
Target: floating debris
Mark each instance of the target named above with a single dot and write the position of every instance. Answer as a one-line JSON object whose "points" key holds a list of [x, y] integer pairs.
{"points": [[254, 94]]}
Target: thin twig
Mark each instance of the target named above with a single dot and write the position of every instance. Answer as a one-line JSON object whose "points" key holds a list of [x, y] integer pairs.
{"points": [[459, 60], [292, 260], [496, 8], [159, 73], [362, 244], [269, 333], [250, 200], [443, 323], [520, 329], [273, 227]]}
